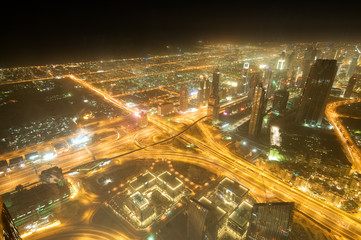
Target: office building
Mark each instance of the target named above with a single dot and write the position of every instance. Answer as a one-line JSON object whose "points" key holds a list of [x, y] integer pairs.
{"points": [[280, 99], [231, 192], [165, 109], [258, 109], [207, 90], [196, 218], [183, 99], [200, 94], [8, 230], [213, 102], [308, 60], [244, 79], [142, 211], [316, 92], [216, 219], [238, 220], [354, 62], [270, 221], [351, 84], [254, 80]]}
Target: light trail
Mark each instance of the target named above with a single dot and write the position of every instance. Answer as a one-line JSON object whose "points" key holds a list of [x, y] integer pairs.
{"points": [[352, 151]]}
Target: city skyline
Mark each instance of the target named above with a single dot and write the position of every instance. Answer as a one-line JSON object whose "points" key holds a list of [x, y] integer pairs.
{"points": [[181, 122]]}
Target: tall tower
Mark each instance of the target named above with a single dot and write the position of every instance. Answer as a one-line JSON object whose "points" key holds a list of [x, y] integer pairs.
{"points": [[351, 84], [213, 102], [308, 59], [245, 72], [196, 220], [207, 90], [183, 99], [354, 62], [200, 94], [316, 92], [280, 101], [254, 80], [258, 109], [7, 226]]}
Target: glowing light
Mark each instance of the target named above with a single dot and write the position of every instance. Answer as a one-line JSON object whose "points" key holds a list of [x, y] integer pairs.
{"points": [[56, 223], [246, 65], [49, 156], [275, 136]]}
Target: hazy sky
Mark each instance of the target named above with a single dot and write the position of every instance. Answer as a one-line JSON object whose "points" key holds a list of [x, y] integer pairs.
{"points": [[63, 32]]}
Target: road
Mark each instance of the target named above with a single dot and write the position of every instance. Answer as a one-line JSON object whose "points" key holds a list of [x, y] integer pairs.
{"points": [[338, 221], [353, 153]]}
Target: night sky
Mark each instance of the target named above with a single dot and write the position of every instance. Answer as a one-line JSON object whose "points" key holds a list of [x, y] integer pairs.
{"points": [[63, 32]]}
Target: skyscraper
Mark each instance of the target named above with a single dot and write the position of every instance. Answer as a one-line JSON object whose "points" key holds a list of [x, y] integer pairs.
{"points": [[213, 102], [197, 215], [200, 94], [316, 92], [308, 59], [258, 109], [207, 90], [183, 99], [244, 79], [8, 230], [254, 80], [351, 84], [354, 62], [280, 99], [270, 221]]}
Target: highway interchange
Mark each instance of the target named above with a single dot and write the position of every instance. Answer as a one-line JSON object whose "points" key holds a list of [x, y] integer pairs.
{"points": [[212, 154]]}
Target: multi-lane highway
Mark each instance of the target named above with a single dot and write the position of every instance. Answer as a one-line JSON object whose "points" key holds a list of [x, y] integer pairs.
{"points": [[336, 220], [353, 153]]}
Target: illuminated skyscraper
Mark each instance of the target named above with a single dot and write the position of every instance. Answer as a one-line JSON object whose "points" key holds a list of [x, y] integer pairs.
{"points": [[200, 94], [183, 99], [308, 60], [197, 215], [270, 221], [351, 84], [258, 109], [280, 99], [207, 90], [254, 80], [213, 102], [354, 62], [245, 72], [316, 92], [8, 230]]}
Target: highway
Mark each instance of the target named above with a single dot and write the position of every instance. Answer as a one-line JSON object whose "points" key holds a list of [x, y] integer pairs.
{"points": [[338, 221], [214, 155], [351, 150]]}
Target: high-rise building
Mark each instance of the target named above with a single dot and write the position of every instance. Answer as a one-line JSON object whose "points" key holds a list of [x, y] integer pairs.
{"points": [[8, 230], [213, 102], [270, 221], [267, 78], [254, 80], [316, 92], [258, 109], [351, 84], [308, 60], [196, 219], [183, 99], [207, 90], [200, 94], [244, 79], [354, 62], [280, 99]]}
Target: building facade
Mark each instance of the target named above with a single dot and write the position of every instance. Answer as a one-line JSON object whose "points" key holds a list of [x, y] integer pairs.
{"points": [[316, 92]]}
